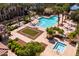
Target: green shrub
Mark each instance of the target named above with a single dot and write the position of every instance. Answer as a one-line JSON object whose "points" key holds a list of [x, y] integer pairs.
{"points": [[9, 45], [30, 49], [10, 41], [34, 47], [56, 28], [16, 39], [16, 49], [13, 48], [10, 28], [72, 35], [50, 31], [19, 52], [61, 31]]}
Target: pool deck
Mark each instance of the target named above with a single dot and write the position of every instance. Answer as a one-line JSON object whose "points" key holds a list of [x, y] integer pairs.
{"points": [[49, 51]]}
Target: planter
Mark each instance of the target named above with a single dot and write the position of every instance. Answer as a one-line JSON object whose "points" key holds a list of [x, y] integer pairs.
{"points": [[49, 36], [68, 40]]}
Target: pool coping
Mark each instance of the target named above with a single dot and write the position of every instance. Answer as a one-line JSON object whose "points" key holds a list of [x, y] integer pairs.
{"points": [[56, 49], [47, 18]]}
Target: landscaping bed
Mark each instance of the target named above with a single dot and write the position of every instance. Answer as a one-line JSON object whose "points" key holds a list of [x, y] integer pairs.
{"points": [[30, 32], [20, 48], [20, 42]]}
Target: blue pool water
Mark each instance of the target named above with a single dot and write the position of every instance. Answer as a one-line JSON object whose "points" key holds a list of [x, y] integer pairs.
{"points": [[47, 22], [60, 46]]}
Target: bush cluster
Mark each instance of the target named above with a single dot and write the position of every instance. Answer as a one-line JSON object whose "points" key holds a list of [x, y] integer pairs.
{"points": [[29, 49]]}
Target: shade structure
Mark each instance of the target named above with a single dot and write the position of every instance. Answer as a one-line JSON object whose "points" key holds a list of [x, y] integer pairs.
{"points": [[74, 7]]}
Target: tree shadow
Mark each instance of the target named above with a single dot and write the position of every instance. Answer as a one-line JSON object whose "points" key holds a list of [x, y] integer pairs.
{"points": [[5, 40], [73, 43], [60, 37]]}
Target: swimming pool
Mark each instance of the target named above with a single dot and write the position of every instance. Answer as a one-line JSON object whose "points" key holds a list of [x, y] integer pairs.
{"points": [[60, 47], [47, 22]]}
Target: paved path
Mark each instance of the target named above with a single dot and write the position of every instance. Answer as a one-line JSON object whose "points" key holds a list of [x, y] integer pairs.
{"points": [[11, 53]]}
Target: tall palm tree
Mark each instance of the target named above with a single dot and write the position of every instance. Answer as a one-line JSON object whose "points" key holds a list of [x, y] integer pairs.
{"points": [[18, 21], [58, 11], [58, 18], [64, 9]]}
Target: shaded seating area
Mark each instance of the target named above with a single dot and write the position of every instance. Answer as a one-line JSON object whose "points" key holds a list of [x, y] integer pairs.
{"points": [[52, 40]]}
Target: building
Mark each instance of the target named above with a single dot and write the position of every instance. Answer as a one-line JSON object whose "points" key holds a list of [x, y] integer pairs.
{"points": [[11, 12], [3, 50]]}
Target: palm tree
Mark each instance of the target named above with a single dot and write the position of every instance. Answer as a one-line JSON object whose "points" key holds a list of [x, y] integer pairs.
{"points": [[63, 9], [75, 16], [58, 10], [66, 9], [58, 18], [18, 21]]}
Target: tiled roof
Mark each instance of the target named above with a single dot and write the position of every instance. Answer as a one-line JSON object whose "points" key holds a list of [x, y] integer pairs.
{"points": [[3, 49]]}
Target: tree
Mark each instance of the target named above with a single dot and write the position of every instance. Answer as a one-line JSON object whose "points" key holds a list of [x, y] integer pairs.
{"points": [[72, 35], [30, 49], [58, 11], [75, 16], [50, 32], [20, 52], [33, 48], [61, 31], [9, 45], [61, 9], [38, 8], [13, 48], [26, 19]]}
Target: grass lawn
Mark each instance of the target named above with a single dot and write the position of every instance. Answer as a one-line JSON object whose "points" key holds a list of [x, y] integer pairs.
{"points": [[30, 31]]}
